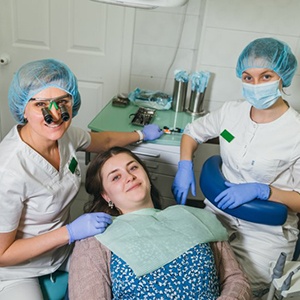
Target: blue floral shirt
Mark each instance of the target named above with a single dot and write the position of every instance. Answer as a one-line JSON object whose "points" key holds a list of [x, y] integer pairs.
{"points": [[192, 275]]}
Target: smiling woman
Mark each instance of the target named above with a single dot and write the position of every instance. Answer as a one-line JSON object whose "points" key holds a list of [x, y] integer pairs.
{"points": [[115, 179], [63, 104], [40, 176], [148, 253]]}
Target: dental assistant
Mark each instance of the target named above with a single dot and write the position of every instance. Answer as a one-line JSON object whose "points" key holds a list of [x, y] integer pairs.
{"points": [[40, 176], [260, 150]]}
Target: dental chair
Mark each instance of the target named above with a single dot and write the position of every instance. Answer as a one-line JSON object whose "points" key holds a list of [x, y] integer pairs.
{"points": [[55, 286], [212, 183]]}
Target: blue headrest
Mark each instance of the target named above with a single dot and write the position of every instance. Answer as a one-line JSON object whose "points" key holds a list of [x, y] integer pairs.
{"points": [[257, 211]]}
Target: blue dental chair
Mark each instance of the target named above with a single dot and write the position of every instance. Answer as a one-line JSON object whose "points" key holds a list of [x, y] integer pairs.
{"points": [[212, 183], [55, 286]]}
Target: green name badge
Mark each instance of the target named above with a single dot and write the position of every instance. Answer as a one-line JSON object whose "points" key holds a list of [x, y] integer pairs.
{"points": [[227, 135], [73, 165]]}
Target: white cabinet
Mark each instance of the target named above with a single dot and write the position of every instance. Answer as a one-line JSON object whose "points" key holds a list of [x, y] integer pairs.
{"points": [[162, 160]]}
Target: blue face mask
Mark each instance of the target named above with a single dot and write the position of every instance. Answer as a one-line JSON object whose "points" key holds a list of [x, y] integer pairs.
{"points": [[261, 96]]}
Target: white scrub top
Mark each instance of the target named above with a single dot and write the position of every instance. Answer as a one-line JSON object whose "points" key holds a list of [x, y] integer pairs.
{"points": [[35, 198], [266, 153]]}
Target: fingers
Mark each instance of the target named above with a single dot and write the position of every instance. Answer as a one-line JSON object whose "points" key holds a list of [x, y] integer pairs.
{"points": [[179, 194], [220, 196], [160, 132], [103, 217], [193, 188], [223, 200], [225, 203], [176, 194], [183, 198], [229, 184], [103, 220]]}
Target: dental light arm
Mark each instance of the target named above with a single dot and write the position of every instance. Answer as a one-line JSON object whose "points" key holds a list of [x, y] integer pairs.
{"points": [[212, 183]]}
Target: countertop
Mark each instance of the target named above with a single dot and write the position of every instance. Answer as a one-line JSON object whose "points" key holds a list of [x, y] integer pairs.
{"points": [[113, 118]]}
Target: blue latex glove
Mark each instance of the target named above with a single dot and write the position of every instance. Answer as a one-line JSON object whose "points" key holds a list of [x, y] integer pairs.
{"points": [[88, 225], [184, 180], [238, 194], [151, 132]]}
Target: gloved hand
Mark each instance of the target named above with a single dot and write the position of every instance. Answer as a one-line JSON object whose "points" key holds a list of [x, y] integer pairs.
{"points": [[151, 132], [238, 194], [184, 180], [88, 225]]}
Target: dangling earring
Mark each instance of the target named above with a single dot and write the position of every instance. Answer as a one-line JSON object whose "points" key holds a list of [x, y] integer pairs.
{"points": [[110, 204]]}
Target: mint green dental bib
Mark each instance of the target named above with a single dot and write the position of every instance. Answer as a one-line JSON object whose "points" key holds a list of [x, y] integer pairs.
{"points": [[149, 238]]}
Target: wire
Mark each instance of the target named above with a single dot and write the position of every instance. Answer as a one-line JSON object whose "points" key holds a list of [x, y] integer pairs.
{"points": [[177, 48]]}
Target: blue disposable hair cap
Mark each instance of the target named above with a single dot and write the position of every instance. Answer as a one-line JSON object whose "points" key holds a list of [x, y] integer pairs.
{"points": [[268, 53], [36, 76]]}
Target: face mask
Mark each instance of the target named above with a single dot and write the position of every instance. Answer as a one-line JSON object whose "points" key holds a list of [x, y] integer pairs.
{"points": [[261, 96]]}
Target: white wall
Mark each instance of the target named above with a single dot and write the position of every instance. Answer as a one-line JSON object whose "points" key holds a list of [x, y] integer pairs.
{"points": [[165, 40], [214, 34]]}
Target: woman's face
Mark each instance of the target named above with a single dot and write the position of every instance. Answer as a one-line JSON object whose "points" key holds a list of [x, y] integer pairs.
{"points": [[126, 183], [259, 76], [35, 119]]}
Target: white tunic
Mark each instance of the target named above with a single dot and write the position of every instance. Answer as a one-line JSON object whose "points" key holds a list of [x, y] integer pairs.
{"points": [[35, 198], [267, 153]]}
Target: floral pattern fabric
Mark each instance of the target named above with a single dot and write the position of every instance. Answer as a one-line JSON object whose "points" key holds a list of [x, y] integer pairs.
{"points": [[190, 276]]}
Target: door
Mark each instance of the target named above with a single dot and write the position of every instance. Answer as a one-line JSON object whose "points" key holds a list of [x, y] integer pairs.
{"points": [[93, 39]]}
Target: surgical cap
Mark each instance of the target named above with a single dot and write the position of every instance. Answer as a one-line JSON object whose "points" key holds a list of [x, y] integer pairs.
{"points": [[268, 53], [36, 76]]}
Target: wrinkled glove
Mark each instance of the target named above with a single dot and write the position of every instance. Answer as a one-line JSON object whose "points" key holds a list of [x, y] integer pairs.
{"points": [[184, 180], [151, 132], [88, 225], [238, 194]]}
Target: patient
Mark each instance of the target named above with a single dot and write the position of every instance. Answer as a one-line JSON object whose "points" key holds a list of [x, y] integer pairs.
{"points": [[148, 253]]}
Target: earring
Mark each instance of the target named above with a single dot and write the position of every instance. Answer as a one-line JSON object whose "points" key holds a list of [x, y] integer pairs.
{"points": [[110, 204]]}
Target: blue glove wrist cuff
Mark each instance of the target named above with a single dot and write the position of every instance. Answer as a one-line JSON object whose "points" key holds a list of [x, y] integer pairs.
{"points": [[185, 164], [265, 192], [70, 234]]}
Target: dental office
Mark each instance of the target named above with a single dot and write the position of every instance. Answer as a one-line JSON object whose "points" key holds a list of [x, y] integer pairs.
{"points": [[115, 49]]}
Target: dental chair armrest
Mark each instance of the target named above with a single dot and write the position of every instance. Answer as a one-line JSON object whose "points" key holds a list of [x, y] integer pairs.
{"points": [[257, 211]]}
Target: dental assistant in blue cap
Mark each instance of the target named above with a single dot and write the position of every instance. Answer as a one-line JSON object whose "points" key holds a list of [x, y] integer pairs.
{"points": [[260, 149], [40, 176]]}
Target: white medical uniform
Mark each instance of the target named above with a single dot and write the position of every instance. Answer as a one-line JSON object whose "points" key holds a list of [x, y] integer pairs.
{"points": [[266, 153], [35, 198]]}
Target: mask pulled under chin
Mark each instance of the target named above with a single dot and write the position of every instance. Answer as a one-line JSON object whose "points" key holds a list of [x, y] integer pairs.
{"points": [[261, 96]]}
